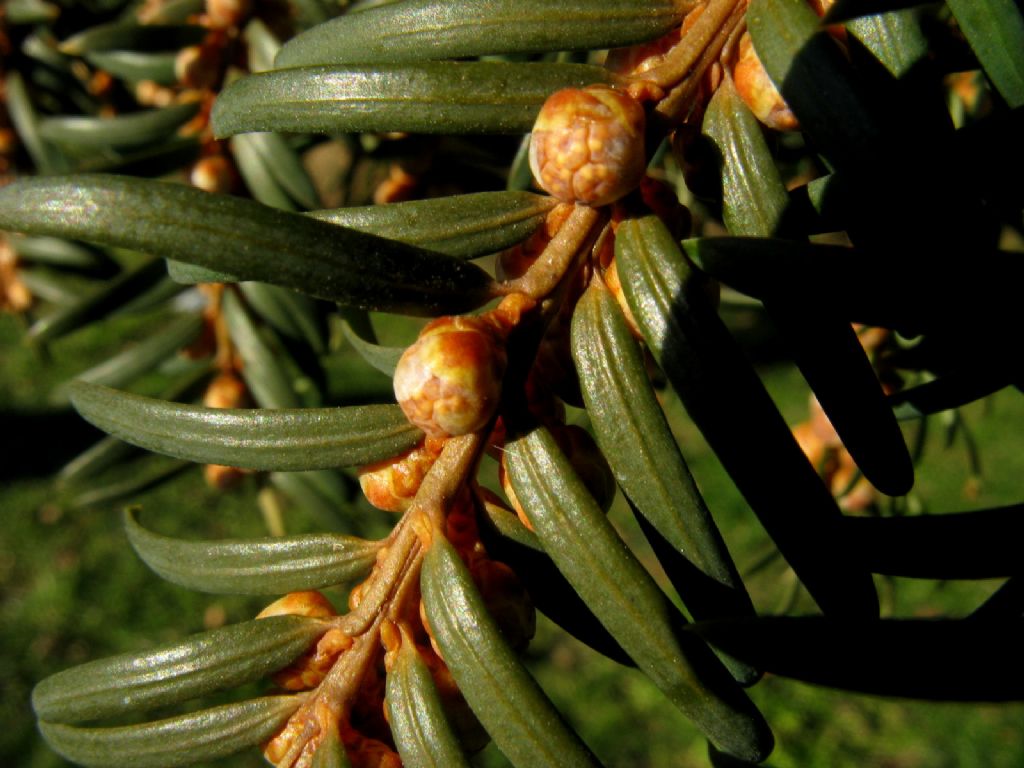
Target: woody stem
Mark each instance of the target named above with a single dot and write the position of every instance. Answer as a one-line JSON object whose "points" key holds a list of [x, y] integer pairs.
{"points": [[680, 61], [559, 254]]}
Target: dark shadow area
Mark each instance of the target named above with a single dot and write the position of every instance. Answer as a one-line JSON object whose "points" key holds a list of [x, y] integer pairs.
{"points": [[983, 544], [38, 443]]}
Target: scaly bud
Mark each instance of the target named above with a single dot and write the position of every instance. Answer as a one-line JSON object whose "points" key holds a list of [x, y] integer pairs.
{"points": [[449, 381], [309, 670], [588, 145]]}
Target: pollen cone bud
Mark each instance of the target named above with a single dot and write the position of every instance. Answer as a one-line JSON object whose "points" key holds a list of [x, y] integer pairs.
{"points": [[448, 383], [588, 145]]}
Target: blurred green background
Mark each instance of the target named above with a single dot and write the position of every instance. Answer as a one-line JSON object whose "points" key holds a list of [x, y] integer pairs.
{"points": [[72, 590]]}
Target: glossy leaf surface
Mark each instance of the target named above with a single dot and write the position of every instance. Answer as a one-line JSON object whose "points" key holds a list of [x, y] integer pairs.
{"points": [[175, 741], [588, 551], [639, 446], [730, 406], [270, 566], [415, 713], [416, 30], [517, 714], [465, 226], [511, 542], [430, 97], [254, 242], [822, 343], [268, 439], [200, 664]]}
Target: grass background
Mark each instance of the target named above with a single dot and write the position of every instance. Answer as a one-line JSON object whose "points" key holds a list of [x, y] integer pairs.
{"points": [[72, 590]]}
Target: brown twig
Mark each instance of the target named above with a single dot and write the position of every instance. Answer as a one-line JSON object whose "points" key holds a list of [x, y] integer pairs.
{"points": [[679, 63], [558, 256]]}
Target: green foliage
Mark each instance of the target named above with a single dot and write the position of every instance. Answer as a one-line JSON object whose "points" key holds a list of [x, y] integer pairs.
{"points": [[896, 204]]}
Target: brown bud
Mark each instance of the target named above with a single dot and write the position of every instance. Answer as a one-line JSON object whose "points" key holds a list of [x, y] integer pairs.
{"points": [[309, 670], [227, 390], [398, 187], [309, 603], [152, 94], [449, 381], [227, 13], [15, 296], [759, 92], [509, 313], [461, 529], [198, 66], [588, 145], [221, 477], [8, 141], [214, 174], [822, 7], [19, 297], [101, 83], [303, 734], [392, 484]]}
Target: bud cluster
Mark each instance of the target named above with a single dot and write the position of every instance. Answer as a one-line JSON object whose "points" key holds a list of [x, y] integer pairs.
{"points": [[588, 150]]}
